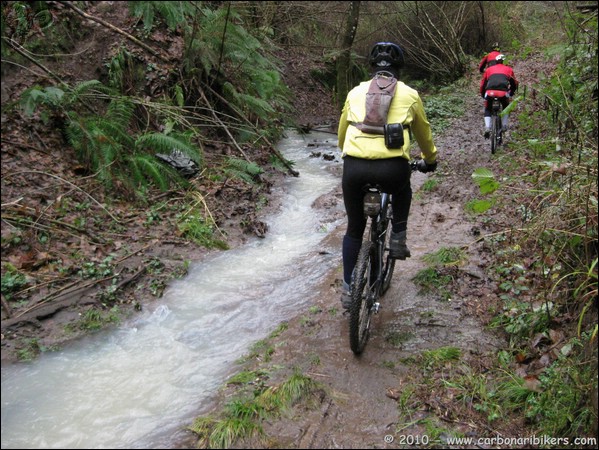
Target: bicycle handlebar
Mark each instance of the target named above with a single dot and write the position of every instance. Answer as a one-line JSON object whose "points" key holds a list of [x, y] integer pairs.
{"points": [[418, 165]]}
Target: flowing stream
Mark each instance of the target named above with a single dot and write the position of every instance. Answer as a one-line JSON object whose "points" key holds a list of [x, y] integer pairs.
{"points": [[135, 387]]}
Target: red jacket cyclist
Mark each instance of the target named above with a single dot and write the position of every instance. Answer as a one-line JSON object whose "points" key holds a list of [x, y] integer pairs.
{"points": [[498, 81]]}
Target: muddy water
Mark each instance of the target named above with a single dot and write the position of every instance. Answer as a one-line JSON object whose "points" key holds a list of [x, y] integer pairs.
{"points": [[135, 387]]}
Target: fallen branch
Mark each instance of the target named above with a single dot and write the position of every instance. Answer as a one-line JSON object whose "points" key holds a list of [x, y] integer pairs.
{"points": [[17, 48], [65, 290], [51, 305], [135, 252], [133, 277], [33, 316]]}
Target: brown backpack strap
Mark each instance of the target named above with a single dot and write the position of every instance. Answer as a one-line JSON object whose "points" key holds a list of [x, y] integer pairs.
{"points": [[378, 99]]}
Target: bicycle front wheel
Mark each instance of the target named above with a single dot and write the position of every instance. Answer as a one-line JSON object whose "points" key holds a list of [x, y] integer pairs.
{"points": [[387, 261], [362, 298]]}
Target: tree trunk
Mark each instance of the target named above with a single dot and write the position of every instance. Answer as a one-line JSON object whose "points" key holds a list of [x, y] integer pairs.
{"points": [[482, 37], [344, 60]]}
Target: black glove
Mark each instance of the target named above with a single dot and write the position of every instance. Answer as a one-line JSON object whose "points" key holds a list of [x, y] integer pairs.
{"points": [[423, 167]]}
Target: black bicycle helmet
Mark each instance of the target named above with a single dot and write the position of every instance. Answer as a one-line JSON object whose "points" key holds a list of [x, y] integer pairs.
{"points": [[386, 54], [496, 47]]}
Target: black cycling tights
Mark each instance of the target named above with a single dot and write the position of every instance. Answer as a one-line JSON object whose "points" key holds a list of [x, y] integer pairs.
{"points": [[393, 175]]}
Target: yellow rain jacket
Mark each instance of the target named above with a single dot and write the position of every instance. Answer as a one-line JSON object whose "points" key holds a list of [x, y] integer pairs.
{"points": [[406, 108]]}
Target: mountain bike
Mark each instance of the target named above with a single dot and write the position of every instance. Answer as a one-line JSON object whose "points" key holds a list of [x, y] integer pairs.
{"points": [[496, 125], [372, 275]]}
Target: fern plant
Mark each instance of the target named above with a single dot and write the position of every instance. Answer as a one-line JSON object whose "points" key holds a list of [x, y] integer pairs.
{"points": [[104, 143], [222, 51], [63, 98], [173, 13], [242, 169], [235, 62]]}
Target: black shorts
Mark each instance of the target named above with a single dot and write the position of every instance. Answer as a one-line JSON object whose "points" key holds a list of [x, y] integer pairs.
{"points": [[392, 174]]}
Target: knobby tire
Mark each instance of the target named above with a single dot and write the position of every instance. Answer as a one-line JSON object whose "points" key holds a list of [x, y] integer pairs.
{"points": [[360, 311], [499, 127], [388, 263], [494, 131]]}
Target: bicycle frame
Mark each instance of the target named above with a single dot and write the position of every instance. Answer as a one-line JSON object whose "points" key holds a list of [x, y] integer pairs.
{"points": [[378, 235]]}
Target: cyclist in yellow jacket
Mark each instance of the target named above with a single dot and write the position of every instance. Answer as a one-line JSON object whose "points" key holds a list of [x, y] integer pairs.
{"points": [[372, 108]]}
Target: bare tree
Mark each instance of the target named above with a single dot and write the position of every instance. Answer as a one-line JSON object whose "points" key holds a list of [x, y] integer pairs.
{"points": [[432, 33]]}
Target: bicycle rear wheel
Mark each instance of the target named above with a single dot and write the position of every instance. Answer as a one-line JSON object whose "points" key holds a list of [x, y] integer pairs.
{"points": [[494, 131], [499, 127], [363, 292]]}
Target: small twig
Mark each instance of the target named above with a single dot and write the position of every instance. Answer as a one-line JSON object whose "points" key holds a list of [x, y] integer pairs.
{"points": [[318, 374], [134, 253], [320, 130], [41, 141], [19, 144], [14, 202]]}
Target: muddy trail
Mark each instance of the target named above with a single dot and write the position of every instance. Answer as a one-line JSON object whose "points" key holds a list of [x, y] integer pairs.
{"points": [[388, 397]]}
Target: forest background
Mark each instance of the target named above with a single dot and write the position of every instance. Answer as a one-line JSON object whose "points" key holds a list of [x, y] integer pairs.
{"points": [[220, 82]]}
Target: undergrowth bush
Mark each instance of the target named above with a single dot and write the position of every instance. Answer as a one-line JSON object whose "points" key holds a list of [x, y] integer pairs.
{"points": [[548, 267]]}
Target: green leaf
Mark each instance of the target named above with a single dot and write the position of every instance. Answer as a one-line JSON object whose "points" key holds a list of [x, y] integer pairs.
{"points": [[485, 180], [511, 106], [54, 94], [30, 99], [179, 96], [480, 206]]}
